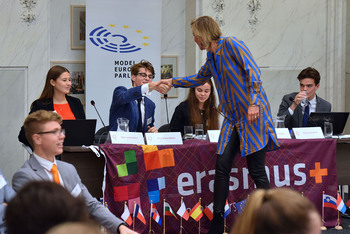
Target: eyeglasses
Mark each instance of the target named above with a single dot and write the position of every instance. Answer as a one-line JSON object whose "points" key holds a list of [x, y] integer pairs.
{"points": [[144, 75], [55, 132]]}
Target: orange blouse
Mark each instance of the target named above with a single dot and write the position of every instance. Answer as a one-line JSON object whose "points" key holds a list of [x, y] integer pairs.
{"points": [[64, 110]]}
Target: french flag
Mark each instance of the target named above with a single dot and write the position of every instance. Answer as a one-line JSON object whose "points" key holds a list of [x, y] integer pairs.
{"points": [[138, 213]]}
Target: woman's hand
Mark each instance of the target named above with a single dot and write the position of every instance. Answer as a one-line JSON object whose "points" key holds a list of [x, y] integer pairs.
{"points": [[253, 114]]}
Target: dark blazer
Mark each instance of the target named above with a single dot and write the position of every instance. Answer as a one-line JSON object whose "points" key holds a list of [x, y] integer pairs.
{"points": [[6, 194], [74, 103], [33, 171], [296, 120], [124, 105], [181, 118]]}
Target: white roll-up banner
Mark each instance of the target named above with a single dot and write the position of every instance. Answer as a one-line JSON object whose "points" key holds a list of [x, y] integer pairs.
{"points": [[119, 33]]}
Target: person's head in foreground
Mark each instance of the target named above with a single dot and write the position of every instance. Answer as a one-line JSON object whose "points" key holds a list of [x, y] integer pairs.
{"points": [[76, 228], [40, 205], [278, 211]]}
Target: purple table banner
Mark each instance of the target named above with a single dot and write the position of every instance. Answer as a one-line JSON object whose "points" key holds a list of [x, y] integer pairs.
{"points": [[140, 174]]}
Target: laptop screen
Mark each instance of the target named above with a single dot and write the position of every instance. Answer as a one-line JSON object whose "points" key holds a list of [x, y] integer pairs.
{"points": [[338, 119], [79, 132]]}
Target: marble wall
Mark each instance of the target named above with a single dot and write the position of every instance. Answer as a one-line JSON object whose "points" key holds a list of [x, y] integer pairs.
{"points": [[290, 35]]}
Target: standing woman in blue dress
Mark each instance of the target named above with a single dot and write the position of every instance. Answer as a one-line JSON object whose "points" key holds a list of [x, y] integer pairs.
{"points": [[247, 127]]}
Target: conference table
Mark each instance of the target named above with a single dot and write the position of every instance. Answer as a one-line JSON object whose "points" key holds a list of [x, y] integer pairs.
{"points": [[144, 173]]}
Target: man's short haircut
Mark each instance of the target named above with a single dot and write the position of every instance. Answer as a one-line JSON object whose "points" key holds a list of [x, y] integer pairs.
{"points": [[34, 122], [311, 73], [142, 64]]}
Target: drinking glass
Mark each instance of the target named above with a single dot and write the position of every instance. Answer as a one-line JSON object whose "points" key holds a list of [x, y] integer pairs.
{"points": [[198, 131], [328, 130], [305, 101], [188, 132], [123, 125], [280, 121]]}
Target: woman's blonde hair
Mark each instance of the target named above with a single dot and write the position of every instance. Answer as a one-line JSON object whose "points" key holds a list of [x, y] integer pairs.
{"points": [[275, 211], [206, 28]]}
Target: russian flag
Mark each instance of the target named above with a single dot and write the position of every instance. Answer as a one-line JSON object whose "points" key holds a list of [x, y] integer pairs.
{"points": [[126, 215], [329, 201], [138, 213], [227, 209], [340, 204], [155, 215]]}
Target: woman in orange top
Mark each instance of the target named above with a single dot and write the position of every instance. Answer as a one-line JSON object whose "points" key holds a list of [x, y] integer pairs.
{"points": [[54, 97]]}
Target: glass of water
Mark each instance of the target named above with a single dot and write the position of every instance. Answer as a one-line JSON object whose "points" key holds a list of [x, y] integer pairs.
{"points": [[328, 130], [188, 132], [198, 131], [123, 125]]}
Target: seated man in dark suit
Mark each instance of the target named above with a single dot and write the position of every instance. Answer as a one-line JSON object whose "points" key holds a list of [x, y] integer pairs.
{"points": [[132, 103], [296, 112], [45, 135]]}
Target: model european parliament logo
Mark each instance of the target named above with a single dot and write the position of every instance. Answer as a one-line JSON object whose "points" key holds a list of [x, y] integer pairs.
{"points": [[119, 39]]}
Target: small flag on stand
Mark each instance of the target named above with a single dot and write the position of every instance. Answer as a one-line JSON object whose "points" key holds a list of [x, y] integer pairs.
{"points": [[196, 212], [138, 213], [227, 209], [182, 212], [340, 204], [240, 205], [329, 201], [208, 211], [155, 215], [126, 215], [168, 211]]}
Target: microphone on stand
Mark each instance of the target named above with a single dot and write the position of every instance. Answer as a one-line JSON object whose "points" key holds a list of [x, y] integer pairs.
{"points": [[106, 130], [93, 104], [166, 108], [212, 106]]}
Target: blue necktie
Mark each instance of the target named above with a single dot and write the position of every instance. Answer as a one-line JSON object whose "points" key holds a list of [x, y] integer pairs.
{"points": [[306, 115], [139, 124]]}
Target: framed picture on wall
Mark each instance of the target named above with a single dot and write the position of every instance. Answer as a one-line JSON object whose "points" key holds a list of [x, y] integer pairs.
{"points": [[77, 73], [169, 69], [77, 27]]}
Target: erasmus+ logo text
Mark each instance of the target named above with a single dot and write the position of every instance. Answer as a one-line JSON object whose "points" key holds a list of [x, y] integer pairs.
{"points": [[118, 39]]}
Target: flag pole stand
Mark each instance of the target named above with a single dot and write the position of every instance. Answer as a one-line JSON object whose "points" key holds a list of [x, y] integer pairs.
{"points": [[323, 228], [225, 227], [133, 218], [199, 221], [164, 216], [182, 198], [150, 219], [338, 227]]}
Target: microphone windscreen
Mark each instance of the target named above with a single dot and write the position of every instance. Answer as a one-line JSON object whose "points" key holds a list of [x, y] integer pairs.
{"points": [[92, 102]]}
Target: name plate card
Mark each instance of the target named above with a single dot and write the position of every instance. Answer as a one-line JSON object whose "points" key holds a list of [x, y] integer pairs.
{"points": [[213, 135], [308, 133], [135, 138], [283, 133], [164, 138]]}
